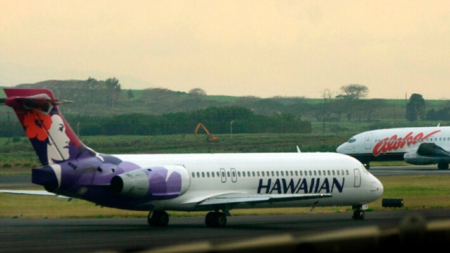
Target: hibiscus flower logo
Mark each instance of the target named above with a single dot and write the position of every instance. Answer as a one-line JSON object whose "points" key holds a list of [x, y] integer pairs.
{"points": [[37, 124]]}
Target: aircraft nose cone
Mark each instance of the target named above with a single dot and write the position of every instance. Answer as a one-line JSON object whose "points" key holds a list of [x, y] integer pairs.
{"points": [[341, 149], [379, 189]]}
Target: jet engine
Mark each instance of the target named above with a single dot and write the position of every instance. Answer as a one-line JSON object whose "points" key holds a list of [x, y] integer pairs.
{"points": [[427, 153], [152, 183]]}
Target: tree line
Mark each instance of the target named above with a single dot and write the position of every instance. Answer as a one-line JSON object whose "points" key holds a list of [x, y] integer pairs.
{"points": [[97, 97], [216, 119]]}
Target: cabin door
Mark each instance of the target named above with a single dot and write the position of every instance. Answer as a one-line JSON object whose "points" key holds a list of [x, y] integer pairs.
{"points": [[357, 178], [367, 141]]}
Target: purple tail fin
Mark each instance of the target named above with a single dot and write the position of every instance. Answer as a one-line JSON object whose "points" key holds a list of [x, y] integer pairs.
{"points": [[51, 136]]}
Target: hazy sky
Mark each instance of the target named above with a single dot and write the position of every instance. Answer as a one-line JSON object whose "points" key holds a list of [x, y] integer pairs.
{"points": [[241, 48]]}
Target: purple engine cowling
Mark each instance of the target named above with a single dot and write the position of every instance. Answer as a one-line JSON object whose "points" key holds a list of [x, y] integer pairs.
{"points": [[152, 183]]}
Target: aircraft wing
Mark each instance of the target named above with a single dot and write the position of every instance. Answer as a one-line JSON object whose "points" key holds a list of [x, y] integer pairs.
{"points": [[32, 192], [237, 198]]}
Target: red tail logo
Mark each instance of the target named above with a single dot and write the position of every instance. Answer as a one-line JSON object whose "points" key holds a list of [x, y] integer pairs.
{"points": [[394, 143]]}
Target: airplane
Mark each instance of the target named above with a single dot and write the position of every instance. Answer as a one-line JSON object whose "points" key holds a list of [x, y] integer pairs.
{"points": [[414, 145], [157, 183]]}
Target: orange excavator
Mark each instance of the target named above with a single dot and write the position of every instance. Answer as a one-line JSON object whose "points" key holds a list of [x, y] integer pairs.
{"points": [[209, 137]]}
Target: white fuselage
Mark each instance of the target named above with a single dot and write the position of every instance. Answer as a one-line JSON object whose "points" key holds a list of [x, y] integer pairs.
{"points": [[392, 144], [267, 173]]}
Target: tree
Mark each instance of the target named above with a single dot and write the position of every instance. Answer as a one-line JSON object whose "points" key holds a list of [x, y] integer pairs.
{"points": [[351, 93], [113, 90], [415, 107], [354, 91], [197, 92]]}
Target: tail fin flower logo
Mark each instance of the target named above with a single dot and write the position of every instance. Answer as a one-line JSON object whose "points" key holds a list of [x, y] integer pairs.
{"points": [[37, 124]]}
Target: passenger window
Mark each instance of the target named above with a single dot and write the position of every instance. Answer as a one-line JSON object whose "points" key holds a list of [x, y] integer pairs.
{"points": [[212, 174], [203, 174], [337, 172], [296, 173], [301, 173], [193, 174], [243, 173], [223, 174], [258, 173], [282, 173], [207, 174], [287, 173], [342, 172], [347, 172], [239, 174], [262, 173], [228, 173], [218, 174], [248, 173], [278, 173], [329, 174], [198, 174], [273, 174], [334, 173], [253, 173]]}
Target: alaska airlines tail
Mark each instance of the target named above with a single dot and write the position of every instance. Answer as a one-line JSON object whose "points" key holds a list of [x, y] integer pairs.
{"points": [[51, 136]]}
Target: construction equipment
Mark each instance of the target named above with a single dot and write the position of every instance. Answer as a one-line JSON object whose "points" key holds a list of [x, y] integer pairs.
{"points": [[209, 137]]}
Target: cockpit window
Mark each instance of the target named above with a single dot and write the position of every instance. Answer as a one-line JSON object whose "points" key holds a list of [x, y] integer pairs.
{"points": [[351, 140]]}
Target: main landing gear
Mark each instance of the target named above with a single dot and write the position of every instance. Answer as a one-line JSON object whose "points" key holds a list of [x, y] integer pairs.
{"points": [[215, 219], [358, 213], [158, 218]]}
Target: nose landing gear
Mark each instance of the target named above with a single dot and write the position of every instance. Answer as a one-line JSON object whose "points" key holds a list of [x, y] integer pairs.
{"points": [[359, 213]]}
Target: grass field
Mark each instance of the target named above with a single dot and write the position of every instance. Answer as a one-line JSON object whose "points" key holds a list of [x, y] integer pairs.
{"points": [[417, 192], [19, 152]]}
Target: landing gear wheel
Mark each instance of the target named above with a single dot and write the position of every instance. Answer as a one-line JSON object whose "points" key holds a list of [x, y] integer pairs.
{"points": [[443, 166], [215, 219], [221, 220], [209, 219], [158, 218], [359, 214]]}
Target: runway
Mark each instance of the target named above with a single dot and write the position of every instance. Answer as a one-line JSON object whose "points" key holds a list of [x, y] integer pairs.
{"points": [[407, 170], [134, 235]]}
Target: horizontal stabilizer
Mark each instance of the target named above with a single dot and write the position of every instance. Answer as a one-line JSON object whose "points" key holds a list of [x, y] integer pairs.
{"points": [[32, 192], [41, 102]]}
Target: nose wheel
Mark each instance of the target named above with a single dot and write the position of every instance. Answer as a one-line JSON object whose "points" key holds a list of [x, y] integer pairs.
{"points": [[358, 214]]}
